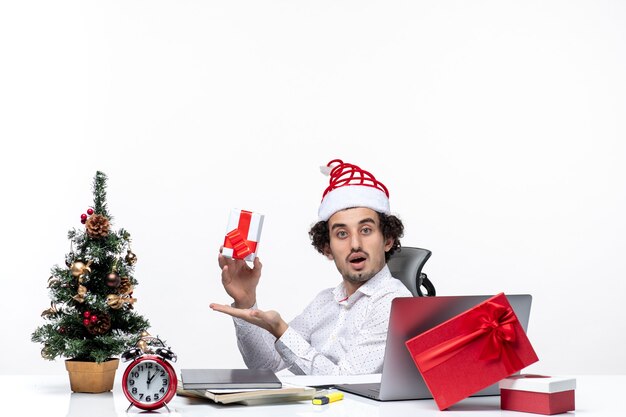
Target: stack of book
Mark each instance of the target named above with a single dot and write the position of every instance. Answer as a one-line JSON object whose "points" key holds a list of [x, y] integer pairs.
{"points": [[243, 386]]}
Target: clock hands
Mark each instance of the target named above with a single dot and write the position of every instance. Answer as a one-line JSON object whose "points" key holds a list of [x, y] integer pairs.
{"points": [[150, 378]]}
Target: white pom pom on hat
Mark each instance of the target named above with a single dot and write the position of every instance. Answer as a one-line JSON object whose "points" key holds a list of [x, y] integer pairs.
{"points": [[349, 187]]}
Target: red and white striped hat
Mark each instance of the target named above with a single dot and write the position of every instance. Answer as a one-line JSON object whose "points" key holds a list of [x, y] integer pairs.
{"points": [[350, 186]]}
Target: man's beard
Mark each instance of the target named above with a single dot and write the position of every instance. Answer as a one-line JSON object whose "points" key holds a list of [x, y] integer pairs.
{"points": [[358, 278]]}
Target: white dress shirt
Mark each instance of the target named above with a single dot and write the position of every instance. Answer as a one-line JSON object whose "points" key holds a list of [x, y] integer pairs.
{"points": [[334, 335]]}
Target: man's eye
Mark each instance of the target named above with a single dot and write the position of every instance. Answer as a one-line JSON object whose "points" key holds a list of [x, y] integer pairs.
{"points": [[366, 230], [341, 234]]}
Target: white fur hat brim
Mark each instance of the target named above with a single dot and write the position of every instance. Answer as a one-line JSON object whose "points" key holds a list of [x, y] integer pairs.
{"points": [[350, 196]]}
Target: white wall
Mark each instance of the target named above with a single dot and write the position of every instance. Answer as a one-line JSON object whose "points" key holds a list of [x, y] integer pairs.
{"points": [[498, 127]]}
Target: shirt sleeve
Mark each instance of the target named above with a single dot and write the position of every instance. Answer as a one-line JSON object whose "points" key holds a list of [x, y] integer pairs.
{"points": [[365, 348], [257, 346]]}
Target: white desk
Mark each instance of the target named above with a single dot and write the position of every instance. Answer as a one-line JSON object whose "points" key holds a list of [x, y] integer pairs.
{"points": [[50, 396]]}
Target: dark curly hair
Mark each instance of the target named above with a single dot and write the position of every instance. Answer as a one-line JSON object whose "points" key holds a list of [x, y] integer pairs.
{"points": [[390, 225]]}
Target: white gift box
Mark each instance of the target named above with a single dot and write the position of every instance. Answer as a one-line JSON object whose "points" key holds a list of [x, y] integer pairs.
{"points": [[243, 234], [538, 394]]}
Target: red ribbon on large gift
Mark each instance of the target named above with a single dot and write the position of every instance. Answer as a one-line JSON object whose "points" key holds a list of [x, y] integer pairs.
{"points": [[241, 247], [495, 323]]}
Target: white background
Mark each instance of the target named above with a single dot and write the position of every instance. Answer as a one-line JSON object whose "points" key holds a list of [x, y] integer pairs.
{"points": [[498, 127]]}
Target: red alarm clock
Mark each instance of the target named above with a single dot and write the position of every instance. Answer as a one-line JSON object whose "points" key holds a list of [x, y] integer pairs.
{"points": [[150, 381]]}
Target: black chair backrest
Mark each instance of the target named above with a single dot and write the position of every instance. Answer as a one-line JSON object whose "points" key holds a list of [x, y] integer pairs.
{"points": [[406, 265]]}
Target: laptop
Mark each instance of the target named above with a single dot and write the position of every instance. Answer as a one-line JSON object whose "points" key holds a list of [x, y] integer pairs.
{"points": [[410, 316]]}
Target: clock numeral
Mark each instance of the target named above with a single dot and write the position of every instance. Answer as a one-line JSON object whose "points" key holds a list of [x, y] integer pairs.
{"points": [[131, 382], [156, 397], [134, 390], [162, 390], [135, 374], [148, 399], [164, 381]]}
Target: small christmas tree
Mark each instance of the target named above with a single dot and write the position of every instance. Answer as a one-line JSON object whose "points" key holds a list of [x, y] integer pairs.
{"points": [[91, 316]]}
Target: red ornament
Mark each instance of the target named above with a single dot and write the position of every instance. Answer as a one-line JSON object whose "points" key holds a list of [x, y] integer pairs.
{"points": [[90, 211], [83, 221], [86, 314], [93, 318], [83, 216], [86, 322]]}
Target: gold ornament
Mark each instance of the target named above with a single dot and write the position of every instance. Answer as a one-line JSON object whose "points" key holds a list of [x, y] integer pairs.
{"points": [[148, 344], [80, 269], [53, 281], [80, 296], [116, 301], [131, 258], [125, 287], [97, 226], [45, 353], [142, 342], [50, 311], [143, 345]]}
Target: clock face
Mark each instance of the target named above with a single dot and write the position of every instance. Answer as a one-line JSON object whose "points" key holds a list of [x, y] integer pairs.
{"points": [[149, 382]]}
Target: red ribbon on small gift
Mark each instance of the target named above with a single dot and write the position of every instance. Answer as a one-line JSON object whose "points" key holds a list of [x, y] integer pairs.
{"points": [[495, 323], [241, 247]]}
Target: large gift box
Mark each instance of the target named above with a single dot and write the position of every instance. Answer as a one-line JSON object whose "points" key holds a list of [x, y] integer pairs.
{"points": [[471, 351], [537, 394], [242, 235]]}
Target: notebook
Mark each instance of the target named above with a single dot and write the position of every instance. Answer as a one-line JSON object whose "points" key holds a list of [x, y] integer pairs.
{"points": [[207, 379], [410, 316], [252, 397]]}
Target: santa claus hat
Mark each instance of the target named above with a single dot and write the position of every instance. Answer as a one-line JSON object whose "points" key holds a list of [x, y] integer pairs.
{"points": [[350, 186]]}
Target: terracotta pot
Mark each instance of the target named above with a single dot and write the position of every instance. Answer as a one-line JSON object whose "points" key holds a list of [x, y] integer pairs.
{"points": [[91, 376]]}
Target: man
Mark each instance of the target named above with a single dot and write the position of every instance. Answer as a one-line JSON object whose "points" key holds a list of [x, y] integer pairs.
{"points": [[343, 330]]}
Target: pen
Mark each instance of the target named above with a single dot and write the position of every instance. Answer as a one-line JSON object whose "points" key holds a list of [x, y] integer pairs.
{"points": [[328, 398]]}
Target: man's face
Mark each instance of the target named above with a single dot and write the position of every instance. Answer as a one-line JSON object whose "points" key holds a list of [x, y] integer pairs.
{"points": [[357, 244]]}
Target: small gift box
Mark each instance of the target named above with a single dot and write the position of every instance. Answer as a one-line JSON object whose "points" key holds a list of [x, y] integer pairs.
{"points": [[537, 394], [471, 351], [242, 235]]}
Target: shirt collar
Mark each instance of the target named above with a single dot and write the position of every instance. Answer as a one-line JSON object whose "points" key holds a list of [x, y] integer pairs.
{"points": [[369, 288]]}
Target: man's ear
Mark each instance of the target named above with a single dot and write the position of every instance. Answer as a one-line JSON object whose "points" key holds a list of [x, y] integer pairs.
{"points": [[327, 252], [388, 244]]}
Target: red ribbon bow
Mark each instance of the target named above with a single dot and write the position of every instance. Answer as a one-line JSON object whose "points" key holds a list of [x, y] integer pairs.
{"points": [[241, 247], [495, 324]]}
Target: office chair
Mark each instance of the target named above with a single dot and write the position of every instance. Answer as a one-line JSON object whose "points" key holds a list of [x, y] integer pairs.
{"points": [[406, 265]]}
